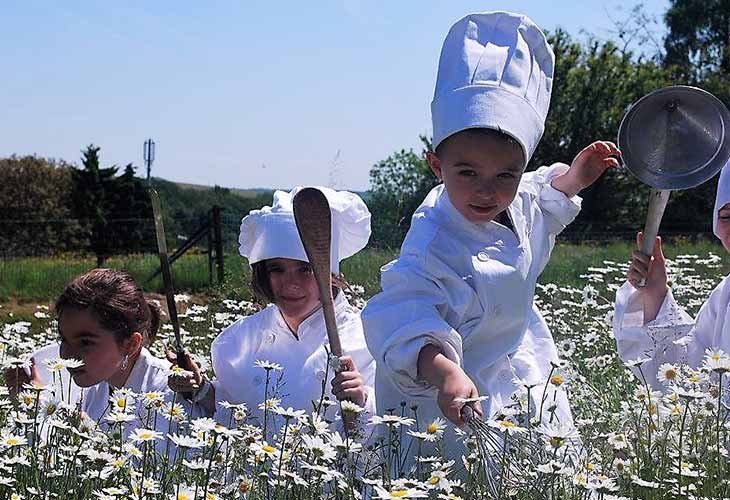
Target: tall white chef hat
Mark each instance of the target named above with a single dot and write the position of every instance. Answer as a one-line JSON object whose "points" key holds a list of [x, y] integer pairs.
{"points": [[723, 195], [496, 72], [271, 232]]}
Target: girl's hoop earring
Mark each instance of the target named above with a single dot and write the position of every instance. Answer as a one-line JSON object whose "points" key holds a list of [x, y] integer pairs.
{"points": [[125, 362]]}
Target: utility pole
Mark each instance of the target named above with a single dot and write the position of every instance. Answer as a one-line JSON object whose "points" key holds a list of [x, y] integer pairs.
{"points": [[149, 157]]}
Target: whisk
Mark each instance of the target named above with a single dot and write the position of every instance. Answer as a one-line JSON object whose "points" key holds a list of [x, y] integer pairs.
{"points": [[508, 460]]}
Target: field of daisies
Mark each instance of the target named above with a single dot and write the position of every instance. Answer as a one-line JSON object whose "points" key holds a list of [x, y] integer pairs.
{"points": [[628, 442]]}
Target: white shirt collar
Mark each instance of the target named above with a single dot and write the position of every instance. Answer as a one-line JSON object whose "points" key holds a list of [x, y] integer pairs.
{"points": [[314, 321], [444, 204]]}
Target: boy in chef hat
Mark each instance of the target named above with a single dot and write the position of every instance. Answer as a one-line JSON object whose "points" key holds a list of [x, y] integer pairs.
{"points": [[455, 320], [290, 332], [650, 325]]}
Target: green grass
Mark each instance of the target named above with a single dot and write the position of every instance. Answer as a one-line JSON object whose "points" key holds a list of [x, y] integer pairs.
{"points": [[42, 279]]}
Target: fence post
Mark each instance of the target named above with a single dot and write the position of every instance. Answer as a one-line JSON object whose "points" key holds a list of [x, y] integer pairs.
{"points": [[218, 242], [209, 233]]}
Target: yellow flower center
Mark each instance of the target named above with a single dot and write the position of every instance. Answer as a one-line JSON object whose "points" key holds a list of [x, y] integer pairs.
{"points": [[51, 409], [670, 374], [13, 441], [432, 428], [556, 441], [557, 380], [433, 480], [398, 493], [27, 399], [508, 424], [268, 448], [122, 402]]}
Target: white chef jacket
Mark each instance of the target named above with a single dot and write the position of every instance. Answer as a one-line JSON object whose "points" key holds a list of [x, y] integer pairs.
{"points": [[469, 289], [149, 374], [266, 336], [673, 336]]}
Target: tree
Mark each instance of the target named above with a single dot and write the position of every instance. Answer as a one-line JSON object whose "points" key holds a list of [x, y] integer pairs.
{"points": [[36, 216], [398, 185], [130, 211], [698, 39], [93, 201], [593, 86]]}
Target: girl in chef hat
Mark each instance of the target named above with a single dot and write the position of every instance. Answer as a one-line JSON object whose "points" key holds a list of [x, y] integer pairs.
{"points": [[290, 332], [650, 325]]}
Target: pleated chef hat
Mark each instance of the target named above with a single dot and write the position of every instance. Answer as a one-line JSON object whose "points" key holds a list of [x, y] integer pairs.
{"points": [[496, 72], [271, 232], [723, 195]]}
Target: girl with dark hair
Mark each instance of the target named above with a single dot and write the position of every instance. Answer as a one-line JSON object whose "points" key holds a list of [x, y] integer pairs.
{"points": [[105, 321]]}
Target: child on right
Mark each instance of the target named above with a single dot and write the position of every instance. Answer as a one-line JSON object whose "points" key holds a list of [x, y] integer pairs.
{"points": [[648, 323], [455, 319]]}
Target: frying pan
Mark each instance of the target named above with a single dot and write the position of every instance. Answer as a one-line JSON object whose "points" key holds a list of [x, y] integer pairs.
{"points": [[673, 138]]}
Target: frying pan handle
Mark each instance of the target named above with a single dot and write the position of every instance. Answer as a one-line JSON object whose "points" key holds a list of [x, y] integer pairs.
{"points": [[657, 203]]}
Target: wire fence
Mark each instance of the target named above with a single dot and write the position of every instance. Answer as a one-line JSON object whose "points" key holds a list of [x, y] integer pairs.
{"points": [[126, 236]]}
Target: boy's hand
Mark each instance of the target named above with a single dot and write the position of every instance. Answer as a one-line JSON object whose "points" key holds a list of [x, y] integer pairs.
{"points": [[653, 270], [450, 379], [348, 384], [587, 166], [457, 385]]}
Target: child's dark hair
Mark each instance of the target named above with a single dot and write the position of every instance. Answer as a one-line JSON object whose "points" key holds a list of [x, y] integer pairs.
{"points": [[261, 286], [482, 132], [115, 300]]}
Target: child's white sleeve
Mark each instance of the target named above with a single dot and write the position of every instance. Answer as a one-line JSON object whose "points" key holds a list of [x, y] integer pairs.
{"points": [[556, 208], [410, 313], [663, 340]]}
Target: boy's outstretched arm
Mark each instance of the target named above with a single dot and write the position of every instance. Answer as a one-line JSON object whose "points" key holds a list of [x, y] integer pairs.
{"points": [[587, 166], [452, 383]]}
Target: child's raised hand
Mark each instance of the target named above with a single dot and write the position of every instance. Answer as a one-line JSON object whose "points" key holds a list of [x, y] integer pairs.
{"points": [[348, 384], [654, 271], [186, 385], [456, 386], [587, 167]]}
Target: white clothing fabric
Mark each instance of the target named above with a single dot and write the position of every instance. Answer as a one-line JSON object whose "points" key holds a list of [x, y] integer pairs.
{"points": [[722, 197], [265, 336], [271, 232], [149, 374], [469, 289], [673, 336], [495, 71]]}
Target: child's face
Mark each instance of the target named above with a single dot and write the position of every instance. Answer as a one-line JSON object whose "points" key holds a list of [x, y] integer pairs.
{"points": [[82, 337], [480, 173], [723, 226], [294, 287]]}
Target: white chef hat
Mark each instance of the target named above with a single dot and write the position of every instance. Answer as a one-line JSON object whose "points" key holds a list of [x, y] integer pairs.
{"points": [[496, 72], [271, 232], [723, 195]]}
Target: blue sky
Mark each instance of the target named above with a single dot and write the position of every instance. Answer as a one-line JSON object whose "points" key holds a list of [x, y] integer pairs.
{"points": [[239, 93]]}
